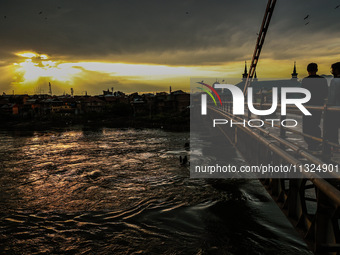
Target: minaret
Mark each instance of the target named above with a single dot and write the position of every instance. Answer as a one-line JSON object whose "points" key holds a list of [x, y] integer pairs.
{"points": [[50, 88], [294, 74], [245, 74], [255, 78]]}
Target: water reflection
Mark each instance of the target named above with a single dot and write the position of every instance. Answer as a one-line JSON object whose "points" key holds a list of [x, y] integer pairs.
{"points": [[124, 192]]}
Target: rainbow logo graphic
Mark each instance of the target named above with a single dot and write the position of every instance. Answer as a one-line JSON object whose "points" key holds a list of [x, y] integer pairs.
{"points": [[208, 92]]}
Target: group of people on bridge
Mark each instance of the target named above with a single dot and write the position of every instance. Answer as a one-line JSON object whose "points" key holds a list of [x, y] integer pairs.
{"points": [[321, 94]]}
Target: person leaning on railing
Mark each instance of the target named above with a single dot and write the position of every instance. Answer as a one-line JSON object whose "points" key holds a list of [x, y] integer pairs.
{"points": [[318, 88], [334, 100]]}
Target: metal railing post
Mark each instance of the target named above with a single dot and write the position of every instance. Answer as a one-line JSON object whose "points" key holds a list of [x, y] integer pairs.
{"points": [[249, 113], [324, 228], [261, 103], [326, 149], [282, 129], [294, 199]]}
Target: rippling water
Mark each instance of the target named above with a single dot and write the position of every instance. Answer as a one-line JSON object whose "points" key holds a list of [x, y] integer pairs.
{"points": [[113, 191]]}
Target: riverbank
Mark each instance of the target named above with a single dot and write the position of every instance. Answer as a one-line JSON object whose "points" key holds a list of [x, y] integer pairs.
{"points": [[168, 122]]}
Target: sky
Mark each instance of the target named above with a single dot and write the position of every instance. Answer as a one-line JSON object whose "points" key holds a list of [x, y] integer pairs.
{"points": [[149, 45]]}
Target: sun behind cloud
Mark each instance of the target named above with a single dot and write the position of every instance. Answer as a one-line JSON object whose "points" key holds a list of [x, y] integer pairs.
{"points": [[33, 68]]}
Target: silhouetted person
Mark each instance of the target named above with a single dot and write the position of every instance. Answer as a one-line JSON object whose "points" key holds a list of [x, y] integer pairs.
{"points": [[318, 88], [183, 161], [334, 100]]}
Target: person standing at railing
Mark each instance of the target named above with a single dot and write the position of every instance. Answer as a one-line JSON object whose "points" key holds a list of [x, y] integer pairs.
{"points": [[318, 88], [334, 100]]}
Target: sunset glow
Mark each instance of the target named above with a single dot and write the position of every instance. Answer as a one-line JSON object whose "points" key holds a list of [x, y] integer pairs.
{"points": [[169, 45], [34, 67]]}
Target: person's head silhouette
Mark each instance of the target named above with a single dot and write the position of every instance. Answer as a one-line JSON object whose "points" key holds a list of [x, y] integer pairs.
{"points": [[336, 69], [312, 68]]}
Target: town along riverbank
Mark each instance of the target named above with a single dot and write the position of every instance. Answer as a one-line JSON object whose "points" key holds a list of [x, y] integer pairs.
{"points": [[168, 121]]}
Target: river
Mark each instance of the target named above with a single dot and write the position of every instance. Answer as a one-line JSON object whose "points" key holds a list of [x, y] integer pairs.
{"points": [[123, 191]]}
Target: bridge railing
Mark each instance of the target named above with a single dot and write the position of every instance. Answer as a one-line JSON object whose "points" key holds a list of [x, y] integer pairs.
{"points": [[296, 197], [325, 109]]}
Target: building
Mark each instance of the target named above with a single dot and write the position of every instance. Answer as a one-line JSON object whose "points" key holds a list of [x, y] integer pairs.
{"points": [[266, 86]]}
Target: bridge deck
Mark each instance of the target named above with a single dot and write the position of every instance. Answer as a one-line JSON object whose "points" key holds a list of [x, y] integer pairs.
{"points": [[311, 203]]}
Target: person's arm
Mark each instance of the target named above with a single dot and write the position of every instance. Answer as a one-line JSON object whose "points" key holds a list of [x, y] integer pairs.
{"points": [[325, 90], [337, 91], [331, 93], [303, 83]]}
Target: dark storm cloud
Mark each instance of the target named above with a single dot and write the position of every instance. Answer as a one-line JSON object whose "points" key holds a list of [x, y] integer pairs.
{"points": [[96, 29], [291, 38], [165, 32]]}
